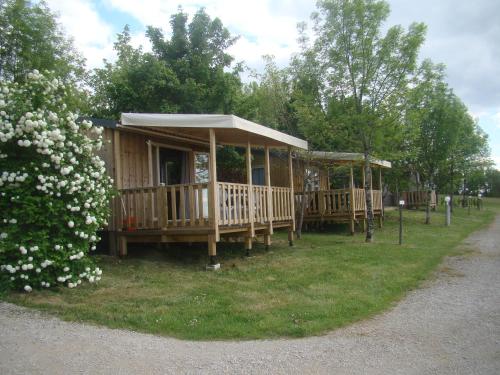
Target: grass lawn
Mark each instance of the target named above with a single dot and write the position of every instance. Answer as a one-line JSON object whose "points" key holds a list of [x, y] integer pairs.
{"points": [[327, 280]]}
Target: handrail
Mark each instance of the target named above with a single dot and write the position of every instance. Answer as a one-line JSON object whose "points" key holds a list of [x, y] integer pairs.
{"points": [[336, 201], [186, 205], [161, 207]]}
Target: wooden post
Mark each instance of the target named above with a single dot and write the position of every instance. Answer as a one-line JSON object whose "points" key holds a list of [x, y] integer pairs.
{"points": [[267, 175], [248, 245], [292, 196], [213, 198], [363, 178], [380, 218], [371, 187], [248, 157], [150, 162], [353, 202], [120, 243]]}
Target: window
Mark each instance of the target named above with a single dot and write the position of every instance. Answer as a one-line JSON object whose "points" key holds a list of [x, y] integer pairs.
{"points": [[200, 167], [258, 176], [312, 179]]}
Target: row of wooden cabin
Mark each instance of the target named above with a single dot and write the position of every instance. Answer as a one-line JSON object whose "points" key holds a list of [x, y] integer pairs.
{"points": [[165, 171]]}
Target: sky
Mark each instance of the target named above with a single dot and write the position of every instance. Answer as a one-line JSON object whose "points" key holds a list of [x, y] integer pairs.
{"points": [[462, 34]]}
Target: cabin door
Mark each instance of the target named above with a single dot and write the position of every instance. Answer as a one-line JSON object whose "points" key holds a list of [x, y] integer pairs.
{"points": [[172, 166]]}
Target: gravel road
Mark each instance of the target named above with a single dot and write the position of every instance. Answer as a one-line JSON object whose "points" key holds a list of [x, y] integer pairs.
{"points": [[450, 326]]}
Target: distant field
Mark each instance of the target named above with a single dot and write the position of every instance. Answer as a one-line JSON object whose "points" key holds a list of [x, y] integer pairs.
{"points": [[327, 280]]}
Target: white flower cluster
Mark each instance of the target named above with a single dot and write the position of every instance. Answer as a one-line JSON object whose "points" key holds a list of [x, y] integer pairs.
{"points": [[47, 158]]}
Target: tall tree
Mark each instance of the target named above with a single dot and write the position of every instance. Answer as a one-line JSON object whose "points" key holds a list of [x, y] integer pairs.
{"points": [[185, 73], [31, 38], [430, 112], [136, 82], [197, 54], [365, 73]]}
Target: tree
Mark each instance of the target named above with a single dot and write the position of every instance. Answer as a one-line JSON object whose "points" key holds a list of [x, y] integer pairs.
{"points": [[197, 55], [365, 74], [54, 190], [136, 82], [269, 100], [32, 39], [430, 113], [186, 73]]}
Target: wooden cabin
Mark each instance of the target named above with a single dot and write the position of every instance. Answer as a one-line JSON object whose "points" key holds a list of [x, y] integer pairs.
{"points": [[325, 202], [418, 198], [165, 171]]}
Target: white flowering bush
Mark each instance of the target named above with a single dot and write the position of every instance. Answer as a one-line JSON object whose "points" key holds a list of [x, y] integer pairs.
{"points": [[54, 190]]}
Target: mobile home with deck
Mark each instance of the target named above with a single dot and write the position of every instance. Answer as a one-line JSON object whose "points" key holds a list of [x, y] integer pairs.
{"points": [[346, 204], [165, 171]]}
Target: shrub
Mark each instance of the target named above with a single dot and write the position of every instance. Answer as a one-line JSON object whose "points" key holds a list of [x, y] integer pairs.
{"points": [[54, 191]]}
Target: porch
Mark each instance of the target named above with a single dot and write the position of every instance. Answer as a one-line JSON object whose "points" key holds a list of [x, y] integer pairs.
{"points": [[200, 208], [338, 205], [342, 205], [184, 208], [417, 199]]}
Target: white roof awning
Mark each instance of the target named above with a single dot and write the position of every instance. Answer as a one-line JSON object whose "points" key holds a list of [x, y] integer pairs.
{"points": [[347, 158], [229, 129]]}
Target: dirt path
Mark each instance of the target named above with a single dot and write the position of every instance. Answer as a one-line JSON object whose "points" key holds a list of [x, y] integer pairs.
{"points": [[451, 326]]}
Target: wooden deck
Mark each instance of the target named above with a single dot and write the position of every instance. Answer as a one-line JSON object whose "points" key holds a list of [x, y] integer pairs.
{"points": [[181, 213], [417, 199], [337, 205]]}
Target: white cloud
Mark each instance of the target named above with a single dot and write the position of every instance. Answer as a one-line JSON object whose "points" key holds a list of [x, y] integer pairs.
{"points": [[93, 37]]}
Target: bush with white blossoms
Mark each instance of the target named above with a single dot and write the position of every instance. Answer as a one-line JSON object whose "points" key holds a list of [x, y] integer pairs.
{"points": [[54, 190]]}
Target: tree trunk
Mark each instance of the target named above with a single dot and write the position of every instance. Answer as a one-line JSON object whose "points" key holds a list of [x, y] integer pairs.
{"points": [[303, 203], [464, 195], [428, 206], [300, 222], [370, 228]]}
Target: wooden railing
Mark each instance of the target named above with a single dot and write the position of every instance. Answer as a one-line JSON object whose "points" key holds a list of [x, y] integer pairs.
{"points": [[359, 200], [377, 200], [282, 208], [233, 201], [417, 198], [234, 204], [186, 205], [336, 201], [161, 207]]}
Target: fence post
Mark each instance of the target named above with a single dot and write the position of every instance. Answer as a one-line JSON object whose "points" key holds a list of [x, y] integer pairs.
{"points": [[448, 210], [401, 205]]}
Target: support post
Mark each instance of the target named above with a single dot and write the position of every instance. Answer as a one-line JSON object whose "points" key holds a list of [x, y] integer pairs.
{"points": [[248, 245], [212, 265], [150, 163], [213, 187], [122, 246], [292, 197], [117, 217], [267, 175], [363, 180], [251, 207], [353, 201], [381, 217], [400, 223]]}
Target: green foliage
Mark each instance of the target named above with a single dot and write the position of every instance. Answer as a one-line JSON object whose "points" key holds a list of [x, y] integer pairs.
{"points": [[269, 100], [54, 191], [32, 39], [185, 73], [365, 73]]}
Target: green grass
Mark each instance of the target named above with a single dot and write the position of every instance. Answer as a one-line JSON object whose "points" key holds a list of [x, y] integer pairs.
{"points": [[327, 280]]}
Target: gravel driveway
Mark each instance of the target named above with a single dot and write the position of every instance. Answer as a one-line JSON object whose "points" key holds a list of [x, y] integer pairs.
{"points": [[450, 326]]}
